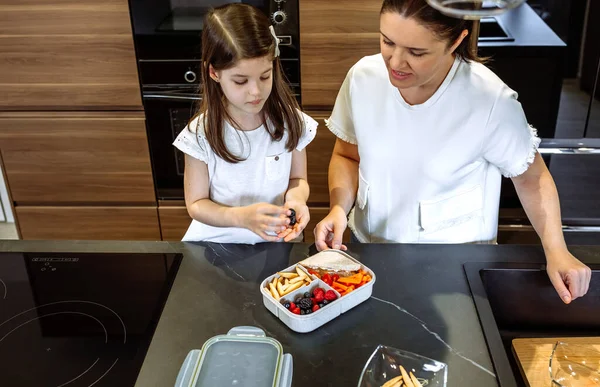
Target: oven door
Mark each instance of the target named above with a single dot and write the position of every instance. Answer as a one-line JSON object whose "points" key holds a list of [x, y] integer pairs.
{"points": [[171, 29], [167, 114], [575, 166]]}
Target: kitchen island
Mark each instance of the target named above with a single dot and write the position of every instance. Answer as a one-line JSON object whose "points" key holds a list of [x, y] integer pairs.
{"points": [[421, 302]]}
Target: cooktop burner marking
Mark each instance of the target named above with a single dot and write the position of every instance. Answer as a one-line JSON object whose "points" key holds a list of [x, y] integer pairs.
{"points": [[5, 289], [77, 377], [75, 301], [54, 314], [104, 374]]}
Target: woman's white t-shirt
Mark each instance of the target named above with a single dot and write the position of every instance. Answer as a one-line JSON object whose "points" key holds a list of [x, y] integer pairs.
{"points": [[431, 173], [262, 177]]}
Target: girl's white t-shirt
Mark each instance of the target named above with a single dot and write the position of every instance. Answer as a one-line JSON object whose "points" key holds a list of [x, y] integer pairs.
{"points": [[262, 177], [431, 173]]}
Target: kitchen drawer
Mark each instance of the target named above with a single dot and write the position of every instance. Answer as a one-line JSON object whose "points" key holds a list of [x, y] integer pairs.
{"points": [[68, 72], [318, 155], [66, 158], [174, 219], [88, 223], [64, 17], [67, 55]]}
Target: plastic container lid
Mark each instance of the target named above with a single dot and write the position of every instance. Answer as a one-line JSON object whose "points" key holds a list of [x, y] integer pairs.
{"points": [[243, 357]]}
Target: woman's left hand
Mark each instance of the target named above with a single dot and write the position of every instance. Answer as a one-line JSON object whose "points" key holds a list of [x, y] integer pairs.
{"points": [[302, 218], [570, 277]]}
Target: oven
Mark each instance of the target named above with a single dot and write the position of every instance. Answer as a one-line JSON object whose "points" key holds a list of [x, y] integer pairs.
{"points": [[168, 48]]}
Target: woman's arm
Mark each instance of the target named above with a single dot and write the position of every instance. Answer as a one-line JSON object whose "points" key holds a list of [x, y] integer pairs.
{"points": [[539, 197], [343, 184], [258, 218]]}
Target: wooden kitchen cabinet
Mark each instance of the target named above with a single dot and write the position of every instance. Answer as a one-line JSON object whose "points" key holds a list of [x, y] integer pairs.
{"points": [[88, 223], [69, 158], [333, 39], [67, 55], [174, 219], [318, 156]]}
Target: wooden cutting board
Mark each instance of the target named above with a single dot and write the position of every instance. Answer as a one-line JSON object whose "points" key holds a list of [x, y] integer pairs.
{"points": [[533, 356]]}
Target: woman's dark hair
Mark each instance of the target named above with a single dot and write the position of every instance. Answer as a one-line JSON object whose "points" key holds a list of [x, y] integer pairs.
{"points": [[231, 33], [445, 27]]}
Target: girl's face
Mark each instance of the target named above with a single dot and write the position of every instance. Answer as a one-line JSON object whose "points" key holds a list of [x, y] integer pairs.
{"points": [[247, 85], [413, 54]]}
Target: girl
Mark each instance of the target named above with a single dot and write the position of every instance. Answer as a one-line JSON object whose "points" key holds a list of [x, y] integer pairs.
{"points": [[424, 133], [245, 163]]}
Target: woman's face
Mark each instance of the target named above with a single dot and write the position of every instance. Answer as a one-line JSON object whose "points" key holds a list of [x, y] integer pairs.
{"points": [[413, 54]]}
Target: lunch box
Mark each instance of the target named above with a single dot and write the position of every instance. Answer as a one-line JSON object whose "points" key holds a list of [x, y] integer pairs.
{"points": [[312, 321]]}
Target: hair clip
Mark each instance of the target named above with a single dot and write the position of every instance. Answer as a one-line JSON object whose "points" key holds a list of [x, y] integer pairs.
{"points": [[276, 41]]}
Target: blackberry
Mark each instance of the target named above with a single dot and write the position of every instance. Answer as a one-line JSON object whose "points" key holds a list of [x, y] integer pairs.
{"points": [[308, 311], [307, 295], [302, 311], [297, 300], [292, 217], [305, 303]]}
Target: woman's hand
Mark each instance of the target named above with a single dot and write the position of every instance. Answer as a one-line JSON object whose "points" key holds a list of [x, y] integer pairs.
{"points": [[570, 277], [329, 231], [263, 219], [302, 218]]}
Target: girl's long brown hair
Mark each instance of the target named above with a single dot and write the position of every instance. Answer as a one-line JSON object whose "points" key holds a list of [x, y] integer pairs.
{"points": [[231, 33], [445, 27]]}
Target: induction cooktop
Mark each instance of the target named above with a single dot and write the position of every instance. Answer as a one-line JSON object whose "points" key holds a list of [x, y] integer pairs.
{"points": [[79, 319]]}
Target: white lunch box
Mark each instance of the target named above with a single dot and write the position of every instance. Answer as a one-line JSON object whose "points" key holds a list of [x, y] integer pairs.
{"points": [[310, 322]]}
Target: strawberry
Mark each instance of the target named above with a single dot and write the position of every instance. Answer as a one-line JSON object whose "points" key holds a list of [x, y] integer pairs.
{"points": [[292, 306], [330, 295], [296, 310], [319, 297], [315, 308]]}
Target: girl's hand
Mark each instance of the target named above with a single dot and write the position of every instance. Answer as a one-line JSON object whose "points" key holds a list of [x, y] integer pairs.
{"points": [[302, 218], [264, 219]]}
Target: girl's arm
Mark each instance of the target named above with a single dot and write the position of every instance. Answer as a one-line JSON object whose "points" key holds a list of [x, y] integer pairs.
{"points": [[297, 194], [258, 218]]}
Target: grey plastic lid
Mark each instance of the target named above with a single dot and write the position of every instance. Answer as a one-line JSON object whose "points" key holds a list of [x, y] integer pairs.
{"points": [[243, 357]]}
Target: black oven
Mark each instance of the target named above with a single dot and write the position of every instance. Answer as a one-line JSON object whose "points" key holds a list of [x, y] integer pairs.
{"points": [[168, 48]]}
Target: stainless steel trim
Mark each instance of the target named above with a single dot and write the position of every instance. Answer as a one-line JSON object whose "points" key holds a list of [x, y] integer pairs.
{"points": [[581, 228], [569, 151], [570, 146], [172, 97], [169, 60], [526, 227]]}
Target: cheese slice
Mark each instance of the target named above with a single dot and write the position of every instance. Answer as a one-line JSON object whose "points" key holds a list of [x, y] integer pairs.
{"points": [[330, 261]]}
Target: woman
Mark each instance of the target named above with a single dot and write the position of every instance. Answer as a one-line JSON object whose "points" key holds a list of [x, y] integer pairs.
{"points": [[424, 133]]}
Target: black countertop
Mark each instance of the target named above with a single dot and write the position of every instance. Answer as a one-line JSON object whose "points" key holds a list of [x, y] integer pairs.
{"points": [[421, 303], [527, 29]]}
